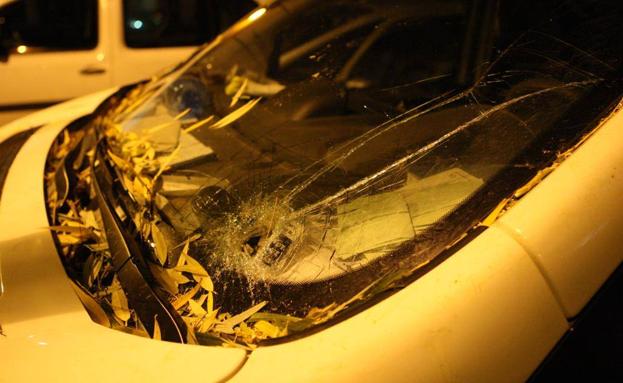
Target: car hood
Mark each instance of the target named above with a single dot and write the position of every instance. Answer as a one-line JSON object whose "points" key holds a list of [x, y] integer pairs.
{"points": [[45, 326]]}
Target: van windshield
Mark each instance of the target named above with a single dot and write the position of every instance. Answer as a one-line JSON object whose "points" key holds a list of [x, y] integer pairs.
{"points": [[325, 150]]}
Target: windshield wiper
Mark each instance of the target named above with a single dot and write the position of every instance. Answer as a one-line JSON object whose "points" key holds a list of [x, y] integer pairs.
{"points": [[132, 270]]}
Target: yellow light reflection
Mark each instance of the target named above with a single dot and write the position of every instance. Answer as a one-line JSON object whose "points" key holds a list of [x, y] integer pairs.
{"points": [[257, 14], [241, 24], [22, 49]]}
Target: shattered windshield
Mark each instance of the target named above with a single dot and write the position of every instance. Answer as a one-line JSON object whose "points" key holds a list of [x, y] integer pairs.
{"points": [[291, 137], [322, 152]]}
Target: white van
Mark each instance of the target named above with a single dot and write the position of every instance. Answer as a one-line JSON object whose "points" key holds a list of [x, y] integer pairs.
{"points": [[52, 51]]}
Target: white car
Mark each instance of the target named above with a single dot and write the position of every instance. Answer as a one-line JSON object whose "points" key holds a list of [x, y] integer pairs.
{"points": [[353, 190], [51, 52]]}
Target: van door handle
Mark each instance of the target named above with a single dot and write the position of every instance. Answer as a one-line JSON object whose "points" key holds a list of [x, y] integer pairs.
{"points": [[92, 70]]}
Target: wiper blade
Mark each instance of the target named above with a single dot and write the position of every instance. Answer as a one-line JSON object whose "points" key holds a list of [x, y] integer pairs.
{"points": [[132, 270]]}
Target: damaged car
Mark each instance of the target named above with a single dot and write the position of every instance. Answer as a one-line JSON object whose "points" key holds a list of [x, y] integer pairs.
{"points": [[331, 190]]}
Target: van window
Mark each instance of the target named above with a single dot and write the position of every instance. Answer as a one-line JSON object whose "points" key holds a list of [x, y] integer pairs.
{"points": [[51, 25], [165, 23]]}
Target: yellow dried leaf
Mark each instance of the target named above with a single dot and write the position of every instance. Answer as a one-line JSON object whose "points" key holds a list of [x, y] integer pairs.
{"points": [[85, 174], [235, 115], [205, 282], [227, 325], [88, 218], [164, 279], [139, 190], [202, 298], [74, 209], [198, 124], [68, 239], [233, 84], [191, 338], [96, 312], [239, 92], [177, 276], [181, 300], [165, 163], [158, 127], [128, 184], [150, 153], [156, 335], [137, 218], [181, 261], [194, 237], [71, 221], [322, 314], [92, 268], [136, 102], [119, 302], [533, 182], [118, 161], [280, 320], [196, 309], [268, 329], [182, 114], [191, 322], [79, 232], [493, 216], [145, 229], [207, 322], [194, 267], [210, 304], [160, 244]]}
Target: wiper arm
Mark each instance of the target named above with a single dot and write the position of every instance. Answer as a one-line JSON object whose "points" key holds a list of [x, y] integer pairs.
{"points": [[132, 270]]}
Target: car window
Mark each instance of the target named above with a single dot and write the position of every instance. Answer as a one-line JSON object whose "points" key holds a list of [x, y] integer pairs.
{"points": [[46, 25], [158, 23]]}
